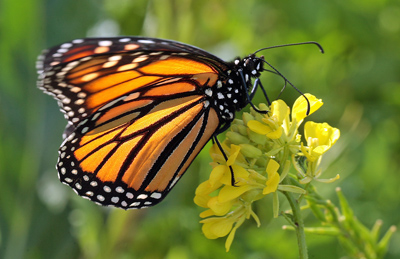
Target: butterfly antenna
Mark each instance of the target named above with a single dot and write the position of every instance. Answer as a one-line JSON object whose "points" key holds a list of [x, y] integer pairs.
{"points": [[287, 81], [294, 44], [274, 70], [283, 89]]}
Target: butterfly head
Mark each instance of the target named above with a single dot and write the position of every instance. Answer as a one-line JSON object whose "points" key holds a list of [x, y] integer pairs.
{"points": [[247, 69], [253, 65]]}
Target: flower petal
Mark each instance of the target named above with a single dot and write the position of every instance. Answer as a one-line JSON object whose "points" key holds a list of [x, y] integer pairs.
{"points": [[219, 208], [300, 107], [272, 167], [240, 175], [235, 149], [208, 230], [229, 239], [222, 227], [275, 134], [272, 183], [216, 174], [203, 188], [228, 193], [279, 111], [201, 200], [206, 214], [259, 127]]}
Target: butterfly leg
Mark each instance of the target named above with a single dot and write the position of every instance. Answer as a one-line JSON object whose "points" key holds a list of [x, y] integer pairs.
{"points": [[233, 181], [249, 97], [257, 83]]}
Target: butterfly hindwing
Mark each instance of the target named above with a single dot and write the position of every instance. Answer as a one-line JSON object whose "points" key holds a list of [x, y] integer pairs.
{"points": [[135, 163]]}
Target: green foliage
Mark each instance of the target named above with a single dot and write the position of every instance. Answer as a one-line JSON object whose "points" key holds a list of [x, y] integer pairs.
{"points": [[358, 78]]}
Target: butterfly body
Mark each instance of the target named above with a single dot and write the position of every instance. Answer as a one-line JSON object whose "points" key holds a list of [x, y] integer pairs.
{"points": [[139, 110]]}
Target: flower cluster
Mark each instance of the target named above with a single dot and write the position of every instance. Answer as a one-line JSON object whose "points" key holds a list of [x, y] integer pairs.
{"points": [[261, 149]]}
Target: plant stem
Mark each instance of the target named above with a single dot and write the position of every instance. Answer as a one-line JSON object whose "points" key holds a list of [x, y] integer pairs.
{"points": [[299, 223]]}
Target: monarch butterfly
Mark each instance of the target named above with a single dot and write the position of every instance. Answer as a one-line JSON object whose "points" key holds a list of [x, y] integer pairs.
{"points": [[139, 110]]}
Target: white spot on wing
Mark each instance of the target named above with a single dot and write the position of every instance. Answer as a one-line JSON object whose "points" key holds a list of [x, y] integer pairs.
{"points": [[119, 189], [146, 41], [124, 40], [134, 204], [66, 45], [156, 195], [174, 182], [142, 196], [77, 41], [115, 58], [105, 43]]}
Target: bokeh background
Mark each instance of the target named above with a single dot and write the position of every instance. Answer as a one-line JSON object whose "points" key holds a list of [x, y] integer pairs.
{"points": [[358, 79]]}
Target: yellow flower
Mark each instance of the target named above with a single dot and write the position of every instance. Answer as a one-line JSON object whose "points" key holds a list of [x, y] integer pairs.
{"points": [[324, 135], [256, 161], [271, 125], [320, 137]]}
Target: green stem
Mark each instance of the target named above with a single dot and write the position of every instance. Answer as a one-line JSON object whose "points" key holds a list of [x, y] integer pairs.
{"points": [[295, 205], [299, 223]]}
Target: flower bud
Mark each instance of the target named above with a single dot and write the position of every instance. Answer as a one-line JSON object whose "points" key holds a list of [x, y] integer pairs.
{"points": [[247, 117], [236, 138], [256, 138], [242, 129], [250, 151]]}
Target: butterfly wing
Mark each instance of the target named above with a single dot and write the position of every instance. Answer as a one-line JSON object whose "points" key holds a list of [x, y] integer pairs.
{"points": [[137, 117]]}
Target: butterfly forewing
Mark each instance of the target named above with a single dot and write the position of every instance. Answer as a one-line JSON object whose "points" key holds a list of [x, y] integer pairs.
{"points": [[83, 79]]}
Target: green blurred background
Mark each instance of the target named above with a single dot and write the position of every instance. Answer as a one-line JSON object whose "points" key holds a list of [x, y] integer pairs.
{"points": [[358, 79]]}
